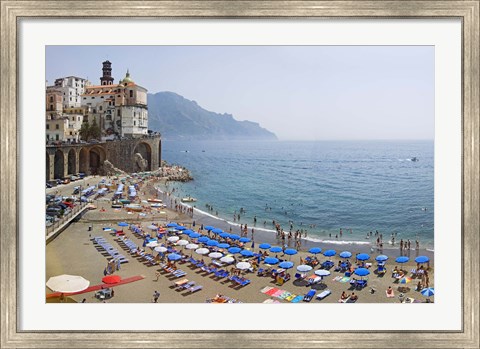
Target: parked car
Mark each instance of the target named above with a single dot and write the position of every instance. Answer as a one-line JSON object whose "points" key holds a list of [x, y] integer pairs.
{"points": [[81, 175], [48, 185]]}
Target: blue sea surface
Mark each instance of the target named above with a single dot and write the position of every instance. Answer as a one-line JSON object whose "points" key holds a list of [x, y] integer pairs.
{"points": [[320, 186]]}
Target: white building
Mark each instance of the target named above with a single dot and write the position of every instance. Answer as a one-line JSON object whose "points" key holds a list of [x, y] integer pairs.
{"points": [[72, 88]]}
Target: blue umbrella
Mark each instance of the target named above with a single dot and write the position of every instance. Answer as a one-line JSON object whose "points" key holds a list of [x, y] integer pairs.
{"points": [[244, 240], [381, 258], [174, 257], [286, 265], [179, 227], [246, 253], [422, 259], [224, 235], [203, 239], [315, 250], [271, 260], [234, 236], [276, 249], [209, 227], [361, 272], [363, 256], [188, 232], [171, 225], [329, 253], [264, 246], [195, 235], [291, 251], [345, 254], [428, 292], [234, 249], [123, 224], [217, 231], [402, 259], [223, 245], [212, 243]]}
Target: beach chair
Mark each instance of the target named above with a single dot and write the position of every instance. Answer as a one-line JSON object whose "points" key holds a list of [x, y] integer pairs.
{"points": [[361, 284], [324, 294], [308, 297], [187, 285], [179, 273], [180, 283], [194, 289]]}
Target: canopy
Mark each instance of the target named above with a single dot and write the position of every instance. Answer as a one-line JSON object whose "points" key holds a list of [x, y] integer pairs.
{"points": [[191, 246], [322, 272], [402, 259], [275, 249], [67, 283], [174, 257], [286, 265], [215, 255], [223, 245], [227, 259], [182, 242], [246, 253], [209, 227], [315, 250], [172, 225], [428, 292], [271, 260], [202, 250], [234, 236], [152, 244], [304, 268], [290, 251], [216, 230], [203, 239], [194, 235], [264, 246], [212, 243], [224, 235], [345, 254], [381, 258], [161, 249], [329, 253], [245, 240], [234, 249], [173, 238], [363, 256], [361, 272], [422, 259], [243, 265]]}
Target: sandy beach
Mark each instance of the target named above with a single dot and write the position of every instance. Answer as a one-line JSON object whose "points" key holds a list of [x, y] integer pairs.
{"points": [[74, 252]]}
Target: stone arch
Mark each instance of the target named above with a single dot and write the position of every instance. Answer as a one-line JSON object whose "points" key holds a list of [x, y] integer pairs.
{"points": [[84, 162], [143, 163], [59, 171], [72, 161], [97, 157]]}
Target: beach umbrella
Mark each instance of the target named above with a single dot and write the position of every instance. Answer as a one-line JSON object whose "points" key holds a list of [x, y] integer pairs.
{"points": [[246, 253], [202, 250], [171, 225], [209, 227], [191, 246], [428, 292], [405, 280], [243, 265], [329, 253], [402, 259], [244, 240], [227, 259], [345, 254], [234, 236], [304, 268], [215, 255], [286, 265], [223, 245], [234, 249], [111, 279], [322, 272], [422, 259], [174, 257], [271, 260], [212, 243], [182, 242], [67, 283], [315, 250], [195, 235], [224, 235], [173, 238], [188, 232], [363, 256], [181, 228], [291, 251], [152, 227], [123, 224], [161, 249], [381, 258], [152, 244], [172, 230], [216, 231], [203, 239], [264, 246], [275, 249], [361, 272]]}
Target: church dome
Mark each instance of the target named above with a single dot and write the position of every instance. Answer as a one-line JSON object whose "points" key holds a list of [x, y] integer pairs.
{"points": [[127, 79]]}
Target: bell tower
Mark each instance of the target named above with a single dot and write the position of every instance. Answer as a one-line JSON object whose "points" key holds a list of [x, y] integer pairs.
{"points": [[107, 78]]}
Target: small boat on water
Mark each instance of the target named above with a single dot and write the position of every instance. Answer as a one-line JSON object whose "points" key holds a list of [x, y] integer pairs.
{"points": [[189, 199], [134, 207], [154, 200], [414, 159]]}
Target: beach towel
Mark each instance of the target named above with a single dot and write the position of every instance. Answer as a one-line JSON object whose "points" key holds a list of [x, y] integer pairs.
{"points": [[297, 299], [291, 297], [278, 293], [284, 295], [266, 289], [345, 279], [272, 291], [390, 295], [337, 278]]}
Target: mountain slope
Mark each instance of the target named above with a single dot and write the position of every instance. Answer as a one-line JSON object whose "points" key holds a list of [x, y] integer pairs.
{"points": [[177, 117]]}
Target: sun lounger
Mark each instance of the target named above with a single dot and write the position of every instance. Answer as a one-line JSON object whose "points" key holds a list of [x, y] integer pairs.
{"points": [[179, 273], [195, 289], [324, 294], [297, 299], [291, 297], [187, 285], [308, 297], [180, 282]]}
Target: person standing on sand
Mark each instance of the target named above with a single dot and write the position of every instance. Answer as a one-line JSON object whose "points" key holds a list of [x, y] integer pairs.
{"points": [[156, 295]]}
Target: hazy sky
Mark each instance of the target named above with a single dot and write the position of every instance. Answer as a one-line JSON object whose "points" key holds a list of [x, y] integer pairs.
{"points": [[298, 92]]}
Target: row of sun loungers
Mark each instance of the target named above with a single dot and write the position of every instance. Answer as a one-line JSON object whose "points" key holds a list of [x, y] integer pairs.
{"points": [[107, 247], [189, 286]]}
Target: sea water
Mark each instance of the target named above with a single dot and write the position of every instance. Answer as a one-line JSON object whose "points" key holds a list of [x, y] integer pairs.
{"points": [[319, 186]]}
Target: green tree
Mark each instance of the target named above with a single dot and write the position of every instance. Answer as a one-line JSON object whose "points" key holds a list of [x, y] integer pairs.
{"points": [[85, 131], [94, 131]]}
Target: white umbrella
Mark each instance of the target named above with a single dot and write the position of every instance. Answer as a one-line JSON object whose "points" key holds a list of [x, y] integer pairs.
{"points": [[215, 255], [67, 283], [153, 227], [202, 250], [227, 259], [191, 246], [322, 272], [152, 244], [161, 249], [182, 242], [243, 265], [304, 268], [173, 238]]}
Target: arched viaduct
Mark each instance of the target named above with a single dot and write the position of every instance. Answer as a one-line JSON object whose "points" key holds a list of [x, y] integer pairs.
{"points": [[70, 159]]}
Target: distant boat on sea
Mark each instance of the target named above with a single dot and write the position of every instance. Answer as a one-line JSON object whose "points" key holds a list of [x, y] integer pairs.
{"points": [[189, 199], [414, 159]]}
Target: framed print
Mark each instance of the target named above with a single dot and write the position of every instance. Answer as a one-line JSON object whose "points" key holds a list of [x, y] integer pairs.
{"points": [[283, 158]]}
